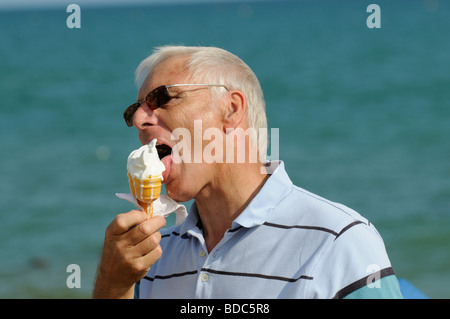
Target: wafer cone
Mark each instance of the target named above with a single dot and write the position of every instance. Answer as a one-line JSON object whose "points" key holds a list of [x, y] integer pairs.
{"points": [[146, 191]]}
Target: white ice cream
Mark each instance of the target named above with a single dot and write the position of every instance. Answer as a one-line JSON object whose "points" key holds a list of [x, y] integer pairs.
{"points": [[144, 162]]}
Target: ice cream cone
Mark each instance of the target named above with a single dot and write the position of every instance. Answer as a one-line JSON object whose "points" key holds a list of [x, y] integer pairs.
{"points": [[146, 191], [145, 175]]}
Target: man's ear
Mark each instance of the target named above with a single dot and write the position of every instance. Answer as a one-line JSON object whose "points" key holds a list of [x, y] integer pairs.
{"points": [[233, 113]]}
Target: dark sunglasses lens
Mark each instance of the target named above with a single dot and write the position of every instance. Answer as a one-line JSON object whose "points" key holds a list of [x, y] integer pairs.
{"points": [[129, 112], [158, 97], [155, 99]]}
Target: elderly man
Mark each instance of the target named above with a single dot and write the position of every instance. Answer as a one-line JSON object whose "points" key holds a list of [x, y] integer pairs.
{"points": [[250, 233]]}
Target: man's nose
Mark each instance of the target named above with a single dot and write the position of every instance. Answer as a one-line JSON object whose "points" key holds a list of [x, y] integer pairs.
{"points": [[144, 116]]}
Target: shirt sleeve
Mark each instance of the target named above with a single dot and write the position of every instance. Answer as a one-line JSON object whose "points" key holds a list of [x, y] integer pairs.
{"points": [[355, 265]]}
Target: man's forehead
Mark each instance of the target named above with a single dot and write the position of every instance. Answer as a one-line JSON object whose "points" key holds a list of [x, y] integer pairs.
{"points": [[170, 71]]}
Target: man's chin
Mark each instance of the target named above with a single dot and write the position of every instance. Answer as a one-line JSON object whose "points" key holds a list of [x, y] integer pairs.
{"points": [[177, 196]]}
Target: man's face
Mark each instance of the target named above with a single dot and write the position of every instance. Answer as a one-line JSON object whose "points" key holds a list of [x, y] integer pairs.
{"points": [[183, 180]]}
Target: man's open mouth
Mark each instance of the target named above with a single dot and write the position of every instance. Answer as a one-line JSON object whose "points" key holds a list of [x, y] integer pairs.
{"points": [[163, 150]]}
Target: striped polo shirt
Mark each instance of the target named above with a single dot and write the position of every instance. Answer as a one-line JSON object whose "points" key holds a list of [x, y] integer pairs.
{"points": [[287, 243]]}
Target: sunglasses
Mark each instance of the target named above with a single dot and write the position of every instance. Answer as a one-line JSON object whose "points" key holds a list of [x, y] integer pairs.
{"points": [[155, 99]]}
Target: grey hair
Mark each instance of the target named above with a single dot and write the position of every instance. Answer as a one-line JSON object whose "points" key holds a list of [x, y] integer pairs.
{"points": [[215, 65]]}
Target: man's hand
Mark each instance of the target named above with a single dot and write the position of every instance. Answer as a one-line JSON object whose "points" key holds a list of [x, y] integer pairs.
{"points": [[131, 247]]}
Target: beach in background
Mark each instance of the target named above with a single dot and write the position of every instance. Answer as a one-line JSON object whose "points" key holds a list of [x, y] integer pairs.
{"points": [[363, 117]]}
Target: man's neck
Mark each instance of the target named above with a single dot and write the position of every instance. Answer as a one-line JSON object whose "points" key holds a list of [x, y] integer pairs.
{"points": [[222, 200]]}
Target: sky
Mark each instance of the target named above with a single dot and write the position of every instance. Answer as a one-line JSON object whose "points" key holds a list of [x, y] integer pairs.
{"points": [[32, 4]]}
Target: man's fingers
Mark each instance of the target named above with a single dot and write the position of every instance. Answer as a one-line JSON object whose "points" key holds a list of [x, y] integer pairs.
{"points": [[123, 222], [148, 244], [146, 249], [145, 229], [151, 257]]}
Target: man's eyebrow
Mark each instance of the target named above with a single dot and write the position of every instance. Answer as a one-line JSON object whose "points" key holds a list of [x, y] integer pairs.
{"points": [[175, 90], [142, 97]]}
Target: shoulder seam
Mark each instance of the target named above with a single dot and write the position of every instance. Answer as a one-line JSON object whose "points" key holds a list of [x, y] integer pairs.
{"points": [[357, 222]]}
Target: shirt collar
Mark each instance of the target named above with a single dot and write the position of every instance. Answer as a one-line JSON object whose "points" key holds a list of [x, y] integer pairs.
{"points": [[273, 191], [192, 222], [256, 213]]}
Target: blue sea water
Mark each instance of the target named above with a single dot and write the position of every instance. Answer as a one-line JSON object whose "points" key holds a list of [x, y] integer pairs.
{"points": [[363, 116]]}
